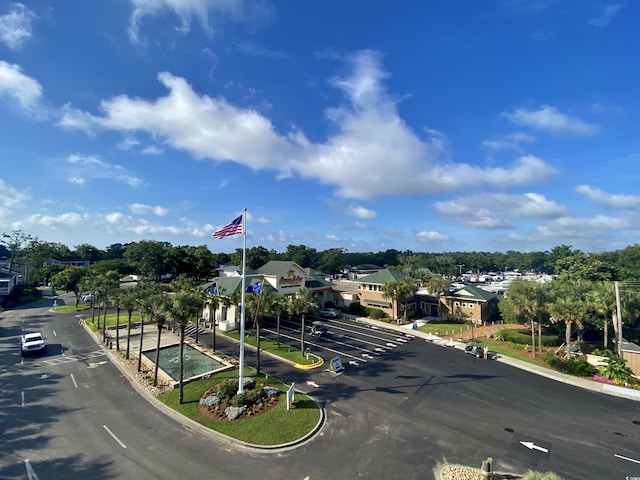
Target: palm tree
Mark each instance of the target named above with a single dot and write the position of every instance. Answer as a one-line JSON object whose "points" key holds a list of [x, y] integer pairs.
{"points": [[392, 290], [212, 303], [520, 293], [437, 286], [129, 302], [117, 301], [602, 300], [277, 307], [569, 305], [145, 307], [160, 307], [408, 289], [186, 304], [301, 304]]}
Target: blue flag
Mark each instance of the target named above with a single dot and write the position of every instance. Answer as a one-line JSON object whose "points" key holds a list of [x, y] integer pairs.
{"points": [[255, 287], [212, 289]]}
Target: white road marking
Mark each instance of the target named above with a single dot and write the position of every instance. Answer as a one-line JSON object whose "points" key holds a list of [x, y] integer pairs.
{"points": [[378, 349], [96, 364], [73, 379], [402, 340], [313, 384], [392, 345], [533, 446], [54, 333], [31, 474], [354, 363], [114, 437], [626, 458], [44, 376], [22, 405]]}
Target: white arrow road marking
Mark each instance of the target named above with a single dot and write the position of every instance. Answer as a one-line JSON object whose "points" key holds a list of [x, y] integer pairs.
{"points": [[533, 446], [44, 376], [392, 345], [373, 327], [354, 363], [114, 437], [313, 384], [401, 340], [366, 355], [626, 458], [409, 336], [31, 474], [94, 364], [378, 349]]}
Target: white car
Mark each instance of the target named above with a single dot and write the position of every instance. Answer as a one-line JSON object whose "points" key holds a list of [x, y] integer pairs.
{"points": [[329, 313], [32, 343]]}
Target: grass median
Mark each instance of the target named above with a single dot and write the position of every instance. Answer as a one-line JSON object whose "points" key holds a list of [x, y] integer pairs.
{"points": [[274, 427]]}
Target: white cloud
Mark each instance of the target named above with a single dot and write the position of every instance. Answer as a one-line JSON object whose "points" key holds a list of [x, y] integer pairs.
{"points": [[511, 141], [372, 151], [70, 219], [15, 26], [152, 150], [497, 210], [25, 90], [547, 118], [606, 13], [361, 212], [76, 180], [128, 143], [431, 236], [608, 199], [10, 197], [594, 227], [142, 209], [90, 167], [254, 13]]}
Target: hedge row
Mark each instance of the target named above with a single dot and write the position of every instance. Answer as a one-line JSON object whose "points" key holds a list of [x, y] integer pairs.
{"points": [[523, 337], [573, 366]]}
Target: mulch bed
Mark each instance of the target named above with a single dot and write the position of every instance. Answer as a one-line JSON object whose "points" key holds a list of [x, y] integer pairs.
{"points": [[217, 412]]}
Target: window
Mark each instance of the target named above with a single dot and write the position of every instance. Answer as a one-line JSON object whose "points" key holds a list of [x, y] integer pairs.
{"points": [[456, 304], [471, 305]]}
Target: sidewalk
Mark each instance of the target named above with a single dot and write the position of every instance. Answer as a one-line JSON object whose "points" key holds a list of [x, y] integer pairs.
{"points": [[584, 383]]}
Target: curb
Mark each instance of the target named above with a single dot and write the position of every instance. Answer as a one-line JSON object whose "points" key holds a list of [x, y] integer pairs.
{"points": [[201, 429]]}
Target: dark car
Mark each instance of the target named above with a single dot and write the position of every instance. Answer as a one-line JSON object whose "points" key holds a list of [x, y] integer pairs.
{"points": [[319, 329], [477, 350]]}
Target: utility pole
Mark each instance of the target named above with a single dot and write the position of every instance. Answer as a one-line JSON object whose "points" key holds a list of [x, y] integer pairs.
{"points": [[460, 268]]}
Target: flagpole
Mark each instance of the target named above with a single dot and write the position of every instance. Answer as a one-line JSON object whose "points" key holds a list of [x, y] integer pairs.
{"points": [[242, 305]]}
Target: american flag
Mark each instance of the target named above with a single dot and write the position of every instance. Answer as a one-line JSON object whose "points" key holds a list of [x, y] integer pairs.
{"points": [[234, 228]]}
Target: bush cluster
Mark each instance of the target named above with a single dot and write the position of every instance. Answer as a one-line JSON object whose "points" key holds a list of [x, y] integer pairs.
{"points": [[523, 337], [572, 366], [225, 395]]}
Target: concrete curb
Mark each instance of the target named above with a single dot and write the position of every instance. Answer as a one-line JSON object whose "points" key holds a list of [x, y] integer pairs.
{"points": [[195, 426]]}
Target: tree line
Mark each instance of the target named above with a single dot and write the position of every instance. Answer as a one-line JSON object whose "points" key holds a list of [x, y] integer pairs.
{"points": [[154, 260]]}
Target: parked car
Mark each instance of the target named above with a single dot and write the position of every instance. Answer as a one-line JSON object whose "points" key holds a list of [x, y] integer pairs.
{"points": [[329, 313], [32, 343], [319, 329], [474, 348]]}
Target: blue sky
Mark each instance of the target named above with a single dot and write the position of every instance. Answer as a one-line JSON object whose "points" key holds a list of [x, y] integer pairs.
{"points": [[437, 126]]}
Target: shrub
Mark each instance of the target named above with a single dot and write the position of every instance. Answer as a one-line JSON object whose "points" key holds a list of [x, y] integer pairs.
{"points": [[356, 309], [375, 313], [523, 337], [572, 366], [531, 475], [616, 370]]}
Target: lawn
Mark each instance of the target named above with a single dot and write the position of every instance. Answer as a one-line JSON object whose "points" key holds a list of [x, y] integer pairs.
{"points": [[444, 329], [274, 427]]}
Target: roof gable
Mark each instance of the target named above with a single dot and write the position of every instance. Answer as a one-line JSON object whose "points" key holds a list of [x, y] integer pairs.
{"points": [[275, 268], [474, 293], [381, 277]]}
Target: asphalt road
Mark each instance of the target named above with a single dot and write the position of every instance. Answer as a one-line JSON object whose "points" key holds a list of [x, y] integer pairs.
{"points": [[72, 414]]}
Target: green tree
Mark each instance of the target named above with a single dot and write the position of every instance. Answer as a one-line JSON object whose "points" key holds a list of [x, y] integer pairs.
{"points": [[212, 302], [302, 304], [71, 280], [147, 257], [85, 251], [130, 302], [277, 307], [186, 304], [14, 242], [437, 286], [392, 290], [568, 304], [528, 300], [160, 308]]}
